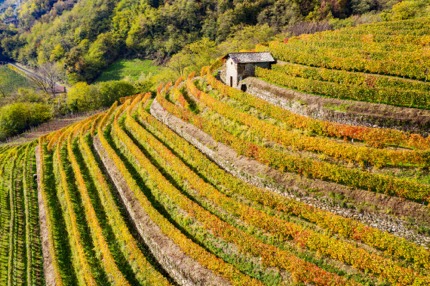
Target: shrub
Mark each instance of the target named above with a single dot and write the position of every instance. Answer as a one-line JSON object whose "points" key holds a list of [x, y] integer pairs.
{"points": [[17, 117], [85, 97]]}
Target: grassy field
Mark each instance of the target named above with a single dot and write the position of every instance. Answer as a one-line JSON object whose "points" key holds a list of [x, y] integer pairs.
{"points": [[11, 81], [128, 68]]}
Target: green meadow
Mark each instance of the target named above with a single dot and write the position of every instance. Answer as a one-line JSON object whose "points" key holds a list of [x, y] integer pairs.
{"points": [[132, 69], [11, 81]]}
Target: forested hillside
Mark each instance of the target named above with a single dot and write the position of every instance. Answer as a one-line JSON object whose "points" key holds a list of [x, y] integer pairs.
{"points": [[85, 36]]}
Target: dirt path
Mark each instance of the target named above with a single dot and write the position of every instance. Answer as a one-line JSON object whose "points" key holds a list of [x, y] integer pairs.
{"points": [[369, 208], [45, 128], [48, 266]]}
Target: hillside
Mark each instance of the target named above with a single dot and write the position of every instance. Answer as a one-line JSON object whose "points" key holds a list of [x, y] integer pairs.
{"points": [[204, 184], [355, 63], [86, 36], [373, 75]]}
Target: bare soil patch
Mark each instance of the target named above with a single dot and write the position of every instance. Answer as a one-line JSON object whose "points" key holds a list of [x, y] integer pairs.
{"points": [[48, 266], [47, 127]]}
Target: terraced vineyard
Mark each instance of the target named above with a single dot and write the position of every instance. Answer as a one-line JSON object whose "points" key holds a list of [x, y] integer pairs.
{"points": [[381, 63], [20, 246], [248, 126], [204, 184], [126, 200]]}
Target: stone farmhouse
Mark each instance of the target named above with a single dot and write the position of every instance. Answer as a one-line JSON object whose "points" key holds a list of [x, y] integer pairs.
{"points": [[238, 66]]}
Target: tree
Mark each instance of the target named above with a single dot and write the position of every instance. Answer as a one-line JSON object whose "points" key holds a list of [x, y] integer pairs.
{"points": [[46, 77], [191, 58], [83, 97], [2, 92], [279, 15], [409, 9], [246, 38], [110, 91]]}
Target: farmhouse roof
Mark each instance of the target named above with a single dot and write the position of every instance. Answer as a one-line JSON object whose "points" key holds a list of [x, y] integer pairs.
{"points": [[251, 57]]}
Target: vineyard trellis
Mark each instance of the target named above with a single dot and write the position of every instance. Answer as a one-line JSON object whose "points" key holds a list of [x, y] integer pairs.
{"points": [[135, 195]]}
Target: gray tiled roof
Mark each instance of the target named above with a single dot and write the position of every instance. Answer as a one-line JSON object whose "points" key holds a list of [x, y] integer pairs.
{"points": [[244, 58]]}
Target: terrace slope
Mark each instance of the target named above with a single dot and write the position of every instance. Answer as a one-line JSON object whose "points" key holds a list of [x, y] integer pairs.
{"points": [[200, 183]]}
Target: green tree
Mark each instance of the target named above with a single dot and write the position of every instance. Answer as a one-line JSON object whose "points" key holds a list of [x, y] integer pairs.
{"points": [[245, 38], [83, 97], [409, 9], [193, 57], [110, 91]]}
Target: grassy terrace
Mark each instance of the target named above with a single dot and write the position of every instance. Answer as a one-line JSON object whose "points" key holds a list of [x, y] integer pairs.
{"points": [[238, 139]]}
